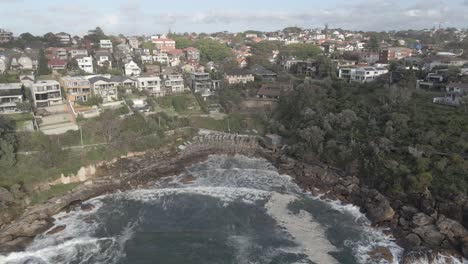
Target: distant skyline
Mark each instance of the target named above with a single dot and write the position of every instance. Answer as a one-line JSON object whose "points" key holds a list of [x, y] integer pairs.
{"points": [[135, 17]]}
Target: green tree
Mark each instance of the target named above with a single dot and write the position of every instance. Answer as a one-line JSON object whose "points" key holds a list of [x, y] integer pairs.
{"points": [[43, 67]]}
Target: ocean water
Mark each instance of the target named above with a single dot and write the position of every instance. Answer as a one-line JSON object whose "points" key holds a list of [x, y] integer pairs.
{"points": [[235, 210]]}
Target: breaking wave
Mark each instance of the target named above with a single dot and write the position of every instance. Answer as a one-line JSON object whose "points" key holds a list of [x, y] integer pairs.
{"points": [[224, 210]]}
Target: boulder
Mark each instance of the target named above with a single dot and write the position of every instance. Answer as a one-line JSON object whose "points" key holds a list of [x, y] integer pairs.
{"points": [[430, 235], [421, 219], [6, 196], [408, 212], [15, 189], [451, 228], [378, 207], [16, 245], [381, 253], [87, 207], [413, 240], [56, 230]]}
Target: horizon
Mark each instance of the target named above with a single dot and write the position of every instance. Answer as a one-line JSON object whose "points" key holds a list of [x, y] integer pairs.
{"points": [[143, 17]]}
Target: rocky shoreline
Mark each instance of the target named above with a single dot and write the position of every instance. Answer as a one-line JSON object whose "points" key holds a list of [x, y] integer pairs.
{"points": [[419, 233]]}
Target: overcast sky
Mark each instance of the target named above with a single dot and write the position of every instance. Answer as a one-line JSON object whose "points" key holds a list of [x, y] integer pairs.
{"points": [[155, 16]]}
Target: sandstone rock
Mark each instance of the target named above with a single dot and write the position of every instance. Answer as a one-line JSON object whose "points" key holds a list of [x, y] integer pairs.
{"points": [[378, 207], [381, 253], [29, 229], [430, 235], [6, 196], [413, 240], [421, 219], [15, 189], [451, 228], [16, 245]]}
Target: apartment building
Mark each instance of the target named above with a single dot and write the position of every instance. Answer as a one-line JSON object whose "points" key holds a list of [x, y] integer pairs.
{"points": [[201, 82], [361, 74], [163, 44], [46, 93], [5, 36], [78, 52], [77, 88], [174, 83], [105, 44], [63, 38], [394, 53], [239, 76], [152, 84], [104, 87], [10, 95]]}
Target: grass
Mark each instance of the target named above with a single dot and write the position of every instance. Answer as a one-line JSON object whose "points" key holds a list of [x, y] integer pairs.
{"points": [[234, 123], [54, 191]]}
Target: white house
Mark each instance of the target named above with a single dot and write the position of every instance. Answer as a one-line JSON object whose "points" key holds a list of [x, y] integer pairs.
{"points": [[3, 64], [25, 62], [10, 95], [105, 87], [78, 52], [46, 93], [102, 57], [86, 64], [146, 59], [161, 57], [152, 84], [174, 83], [132, 69], [362, 74], [105, 44]]}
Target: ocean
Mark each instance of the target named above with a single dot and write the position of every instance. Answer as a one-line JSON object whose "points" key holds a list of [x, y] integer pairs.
{"points": [[228, 209]]}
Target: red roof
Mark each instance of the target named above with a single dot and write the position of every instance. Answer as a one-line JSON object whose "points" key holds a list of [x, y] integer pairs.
{"points": [[57, 62], [175, 52]]}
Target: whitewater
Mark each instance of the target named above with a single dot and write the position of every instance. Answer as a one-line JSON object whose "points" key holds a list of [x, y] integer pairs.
{"points": [[228, 209]]}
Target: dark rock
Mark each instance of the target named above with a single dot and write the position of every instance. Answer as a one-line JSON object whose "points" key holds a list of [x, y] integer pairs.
{"points": [[430, 235], [381, 253], [421, 219], [408, 212], [87, 207], [451, 228], [56, 230], [378, 207], [16, 245], [413, 240]]}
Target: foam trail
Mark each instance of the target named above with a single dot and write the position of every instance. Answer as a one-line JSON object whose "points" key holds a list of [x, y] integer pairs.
{"points": [[305, 231]]}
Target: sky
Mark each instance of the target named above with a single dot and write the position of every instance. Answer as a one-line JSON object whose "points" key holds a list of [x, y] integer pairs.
{"points": [[136, 17]]}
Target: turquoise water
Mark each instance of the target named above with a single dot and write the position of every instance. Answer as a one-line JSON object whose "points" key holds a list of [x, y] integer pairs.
{"points": [[237, 210]]}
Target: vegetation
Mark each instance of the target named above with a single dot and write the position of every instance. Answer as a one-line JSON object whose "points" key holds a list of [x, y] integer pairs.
{"points": [[395, 139]]}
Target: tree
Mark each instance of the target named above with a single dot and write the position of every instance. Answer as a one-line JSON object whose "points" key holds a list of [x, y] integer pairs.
{"points": [[7, 145], [43, 67], [373, 44]]}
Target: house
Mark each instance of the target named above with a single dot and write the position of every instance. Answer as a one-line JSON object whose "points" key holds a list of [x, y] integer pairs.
{"points": [[163, 44], [105, 44], [140, 105], [132, 69], [192, 53], [162, 58], [85, 64], [174, 83], [103, 57], [63, 38], [25, 62], [77, 88], [10, 95], [361, 74], [57, 64], [239, 76], [456, 94], [146, 59], [46, 93], [273, 90], [200, 82], [104, 87], [5, 36], [133, 42], [78, 52], [264, 74], [394, 53], [152, 84], [242, 62], [57, 53], [369, 57]]}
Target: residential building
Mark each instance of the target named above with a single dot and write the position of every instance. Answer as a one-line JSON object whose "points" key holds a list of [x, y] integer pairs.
{"points": [[269, 91], [46, 93], [5, 36], [133, 42], [163, 44], [57, 64], [192, 53], [85, 63], [25, 62], [132, 69], [394, 53], [78, 52], [264, 74], [369, 57], [455, 95], [57, 53], [103, 57], [239, 76], [146, 59], [152, 84], [361, 74], [200, 82], [174, 83], [105, 44], [105, 87], [162, 58], [77, 88], [10, 95], [63, 38]]}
